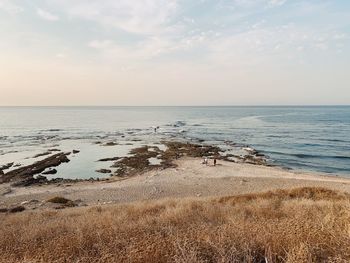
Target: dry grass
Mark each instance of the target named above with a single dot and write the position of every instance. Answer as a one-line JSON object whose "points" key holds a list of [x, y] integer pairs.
{"points": [[300, 225]]}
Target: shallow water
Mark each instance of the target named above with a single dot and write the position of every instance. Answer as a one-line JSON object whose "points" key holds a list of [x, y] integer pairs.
{"points": [[306, 138]]}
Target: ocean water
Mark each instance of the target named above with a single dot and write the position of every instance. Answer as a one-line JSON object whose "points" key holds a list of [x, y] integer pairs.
{"points": [[302, 138]]}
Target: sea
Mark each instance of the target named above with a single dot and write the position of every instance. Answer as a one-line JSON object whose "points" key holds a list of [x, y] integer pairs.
{"points": [[302, 138]]}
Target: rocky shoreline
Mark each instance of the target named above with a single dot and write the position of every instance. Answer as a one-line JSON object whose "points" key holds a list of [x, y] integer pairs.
{"points": [[138, 161]]}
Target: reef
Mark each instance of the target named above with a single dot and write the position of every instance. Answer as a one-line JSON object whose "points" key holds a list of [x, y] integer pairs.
{"points": [[25, 175]]}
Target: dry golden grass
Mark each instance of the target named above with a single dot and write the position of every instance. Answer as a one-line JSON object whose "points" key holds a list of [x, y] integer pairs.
{"points": [[300, 225]]}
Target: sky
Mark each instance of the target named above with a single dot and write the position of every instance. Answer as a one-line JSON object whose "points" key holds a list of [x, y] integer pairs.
{"points": [[174, 52]]}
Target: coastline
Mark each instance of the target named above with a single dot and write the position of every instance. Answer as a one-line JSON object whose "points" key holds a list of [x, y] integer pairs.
{"points": [[188, 179]]}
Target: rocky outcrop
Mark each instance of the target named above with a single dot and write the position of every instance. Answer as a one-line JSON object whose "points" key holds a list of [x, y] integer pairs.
{"points": [[26, 173], [109, 159], [30, 181], [51, 171], [110, 144], [139, 162], [54, 150], [42, 154], [6, 166], [104, 171]]}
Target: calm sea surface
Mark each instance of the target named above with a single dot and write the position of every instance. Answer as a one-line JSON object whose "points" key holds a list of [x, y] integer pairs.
{"points": [[305, 138]]}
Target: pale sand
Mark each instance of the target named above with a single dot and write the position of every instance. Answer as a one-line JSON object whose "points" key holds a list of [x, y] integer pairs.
{"points": [[189, 179]]}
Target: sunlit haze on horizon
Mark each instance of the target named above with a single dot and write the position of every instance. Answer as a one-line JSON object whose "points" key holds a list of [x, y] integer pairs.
{"points": [[174, 52]]}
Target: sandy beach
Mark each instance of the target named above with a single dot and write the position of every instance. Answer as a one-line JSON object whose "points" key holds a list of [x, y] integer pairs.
{"points": [[189, 179]]}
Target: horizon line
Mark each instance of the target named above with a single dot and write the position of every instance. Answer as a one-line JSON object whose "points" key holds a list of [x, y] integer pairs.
{"points": [[226, 105]]}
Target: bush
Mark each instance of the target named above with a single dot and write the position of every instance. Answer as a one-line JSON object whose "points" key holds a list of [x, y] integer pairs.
{"points": [[17, 209], [59, 200]]}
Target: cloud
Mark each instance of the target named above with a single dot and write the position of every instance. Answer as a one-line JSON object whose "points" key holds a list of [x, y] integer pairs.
{"points": [[144, 50], [277, 2], [46, 15], [254, 46], [152, 47], [256, 3], [10, 7], [142, 17], [174, 30]]}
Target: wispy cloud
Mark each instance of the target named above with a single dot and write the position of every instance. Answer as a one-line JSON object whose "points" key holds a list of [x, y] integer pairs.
{"points": [[44, 14], [143, 17], [277, 2], [255, 3], [178, 29], [9, 7]]}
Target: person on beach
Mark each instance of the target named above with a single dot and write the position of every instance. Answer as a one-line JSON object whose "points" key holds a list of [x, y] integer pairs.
{"points": [[214, 161], [206, 160]]}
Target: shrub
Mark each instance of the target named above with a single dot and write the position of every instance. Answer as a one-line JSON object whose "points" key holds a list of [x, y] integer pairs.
{"points": [[59, 200], [17, 209]]}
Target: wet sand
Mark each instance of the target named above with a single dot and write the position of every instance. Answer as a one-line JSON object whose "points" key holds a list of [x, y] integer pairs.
{"points": [[189, 179]]}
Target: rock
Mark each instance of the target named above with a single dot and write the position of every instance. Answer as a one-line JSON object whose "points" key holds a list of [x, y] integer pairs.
{"points": [[76, 151], [54, 150], [109, 159], [6, 166], [26, 173], [3, 210], [110, 144], [250, 150], [41, 154], [33, 201], [179, 124], [254, 160], [30, 181], [41, 177], [104, 171], [51, 171]]}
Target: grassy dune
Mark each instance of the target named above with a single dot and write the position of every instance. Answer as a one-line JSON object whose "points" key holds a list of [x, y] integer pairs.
{"points": [[299, 225]]}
